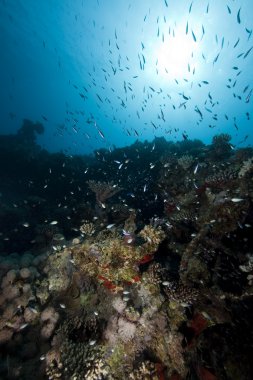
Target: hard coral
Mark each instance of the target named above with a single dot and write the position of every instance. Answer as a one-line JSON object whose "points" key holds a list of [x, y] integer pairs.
{"points": [[185, 161], [246, 167], [103, 190]]}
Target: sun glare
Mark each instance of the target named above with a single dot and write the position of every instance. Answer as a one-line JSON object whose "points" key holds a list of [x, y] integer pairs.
{"points": [[176, 56]]}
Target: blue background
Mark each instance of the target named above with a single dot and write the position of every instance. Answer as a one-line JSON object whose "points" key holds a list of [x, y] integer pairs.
{"points": [[52, 49]]}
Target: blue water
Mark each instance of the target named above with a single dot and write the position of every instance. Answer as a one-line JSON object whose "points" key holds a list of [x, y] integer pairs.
{"points": [[105, 73]]}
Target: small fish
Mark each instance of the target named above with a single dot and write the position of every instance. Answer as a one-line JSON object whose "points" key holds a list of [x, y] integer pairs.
{"points": [[248, 97], [196, 169], [190, 8], [101, 134], [62, 306], [26, 225], [229, 10], [54, 222], [216, 58], [166, 283], [247, 53], [110, 226], [246, 88], [239, 16], [92, 342], [42, 357], [194, 37], [203, 32], [33, 310], [22, 327], [236, 200], [125, 292], [237, 42], [222, 43]]}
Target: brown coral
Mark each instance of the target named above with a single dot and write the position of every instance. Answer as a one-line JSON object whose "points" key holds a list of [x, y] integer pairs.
{"points": [[103, 190]]}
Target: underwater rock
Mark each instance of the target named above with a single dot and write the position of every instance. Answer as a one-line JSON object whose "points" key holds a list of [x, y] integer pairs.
{"points": [[31, 315], [26, 260], [11, 291], [5, 335], [59, 271], [76, 241], [26, 273], [49, 318], [29, 350]]}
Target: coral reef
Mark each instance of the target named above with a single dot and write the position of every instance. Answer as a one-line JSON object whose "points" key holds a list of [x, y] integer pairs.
{"points": [[157, 286]]}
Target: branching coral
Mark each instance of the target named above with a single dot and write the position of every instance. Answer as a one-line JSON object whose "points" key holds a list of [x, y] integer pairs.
{"points": [[103, 190], [146, 370], [180, 293], [87, 228], [222, 178], [75, 353], [153, 236], [221, 147], [246, 167], [221, 139], [185, 161]]}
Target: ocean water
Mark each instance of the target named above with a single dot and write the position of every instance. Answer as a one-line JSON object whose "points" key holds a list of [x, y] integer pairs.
{"points": [[126, 194], [133, 70]]}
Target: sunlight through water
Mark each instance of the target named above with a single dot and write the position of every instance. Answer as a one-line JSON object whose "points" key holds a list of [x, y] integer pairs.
{"points": [[176, 56]]}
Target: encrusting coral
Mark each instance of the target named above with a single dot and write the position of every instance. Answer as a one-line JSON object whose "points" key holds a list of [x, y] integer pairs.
{"points": [[114, 261]]}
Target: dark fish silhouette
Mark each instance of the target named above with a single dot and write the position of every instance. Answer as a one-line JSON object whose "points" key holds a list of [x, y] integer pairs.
{"points": [[239, 16]]}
